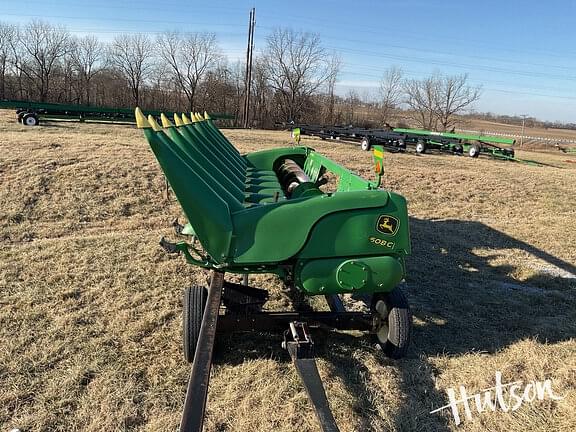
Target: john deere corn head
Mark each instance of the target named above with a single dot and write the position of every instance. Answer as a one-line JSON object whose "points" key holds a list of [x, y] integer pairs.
{"points": [[265, 212]]}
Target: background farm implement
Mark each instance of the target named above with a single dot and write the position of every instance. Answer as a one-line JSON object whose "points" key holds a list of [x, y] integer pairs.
{"points": [[473, 145], [397, 139], [31, 113], [365, 137]]}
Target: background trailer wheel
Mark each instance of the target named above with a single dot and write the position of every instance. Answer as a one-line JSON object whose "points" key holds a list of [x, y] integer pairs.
{"points": [[194, 303], [420, 147], [394, 322], [474, 151], [365, 144], [30, 119]]}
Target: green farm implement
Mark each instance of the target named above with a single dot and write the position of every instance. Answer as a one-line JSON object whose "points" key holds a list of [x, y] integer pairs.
{"points": [[397, 139], [266, 212], [31, 113], [473, 145]]}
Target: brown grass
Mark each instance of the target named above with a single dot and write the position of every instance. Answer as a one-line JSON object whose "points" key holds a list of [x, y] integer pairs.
{"points": [[90, 306]]}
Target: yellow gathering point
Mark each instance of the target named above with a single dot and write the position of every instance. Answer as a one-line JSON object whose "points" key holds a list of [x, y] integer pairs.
{"points": [[154, 124], [141, 121]]}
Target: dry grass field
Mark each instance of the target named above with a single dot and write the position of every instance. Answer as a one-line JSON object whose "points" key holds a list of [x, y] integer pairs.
{"points": [[90, 306]]}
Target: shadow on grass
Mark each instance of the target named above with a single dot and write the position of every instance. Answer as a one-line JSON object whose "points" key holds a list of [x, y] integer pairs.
{"points": [[461, 302], [466, 302]]}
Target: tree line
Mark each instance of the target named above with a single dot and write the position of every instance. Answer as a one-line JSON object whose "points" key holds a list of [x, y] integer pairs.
{"points": [[293, 79]]}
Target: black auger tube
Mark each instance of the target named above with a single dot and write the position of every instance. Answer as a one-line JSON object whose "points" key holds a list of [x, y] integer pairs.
{"points": [[291, 175]]}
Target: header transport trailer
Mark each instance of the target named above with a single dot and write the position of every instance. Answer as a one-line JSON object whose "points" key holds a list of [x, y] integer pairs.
{"points": [[366, 137], [473, 145], [30, 113], [398, 138]]}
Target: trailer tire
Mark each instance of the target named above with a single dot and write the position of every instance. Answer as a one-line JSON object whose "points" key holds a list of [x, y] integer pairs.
{"points": [[420, 147], [395, 327], [365, 144], [474, 151], [30, 119], [194, 303], [458, 149], [20, 115]]}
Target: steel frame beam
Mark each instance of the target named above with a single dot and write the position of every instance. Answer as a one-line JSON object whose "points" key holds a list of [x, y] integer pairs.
{"points": [[195, 402]]}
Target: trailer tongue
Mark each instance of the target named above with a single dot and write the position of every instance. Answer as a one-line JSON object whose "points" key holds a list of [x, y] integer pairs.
{"points": [[298, 343]]}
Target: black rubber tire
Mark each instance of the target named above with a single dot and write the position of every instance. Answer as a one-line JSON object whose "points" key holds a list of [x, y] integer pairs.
{"points": [[458, 149], [474, 151], [194, 303], [399, 322], [421, 147], [365, 144], [30, 119]]}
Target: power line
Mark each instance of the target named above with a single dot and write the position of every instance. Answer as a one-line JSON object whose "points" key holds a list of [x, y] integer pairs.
{"points": [[350, 50], [120, 19], [484, 88], [363, 67], [391, 30], [371, 53], [455, 65], [315, 21]]}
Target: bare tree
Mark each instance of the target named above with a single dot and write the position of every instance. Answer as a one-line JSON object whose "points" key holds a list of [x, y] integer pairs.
{"points": [[422, 101], [237, 80], [190, 56], [87, 60], [298, 66], [333, 71], [352, 101], [390, 92], [262, 94], [217, 89], [163, 95], [454, 97], [435, 101], [132, 56], [41, 46], [8, 33], [66, 87]]}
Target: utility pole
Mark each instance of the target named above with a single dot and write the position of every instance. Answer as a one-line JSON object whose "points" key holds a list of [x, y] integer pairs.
{"points": [[523, 124], [248, 76]]}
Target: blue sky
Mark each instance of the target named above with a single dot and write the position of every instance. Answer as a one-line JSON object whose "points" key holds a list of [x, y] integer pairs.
{"points": [[523, 53]]}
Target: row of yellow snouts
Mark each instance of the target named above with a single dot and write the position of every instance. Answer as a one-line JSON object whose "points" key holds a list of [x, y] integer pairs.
{"points": [[150, 122]]}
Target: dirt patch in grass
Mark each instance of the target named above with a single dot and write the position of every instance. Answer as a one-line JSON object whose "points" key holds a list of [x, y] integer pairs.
{"points": [[90, 306]]}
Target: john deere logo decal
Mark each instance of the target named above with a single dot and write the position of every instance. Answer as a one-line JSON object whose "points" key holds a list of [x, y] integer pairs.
{"points": [[387, 224]]}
